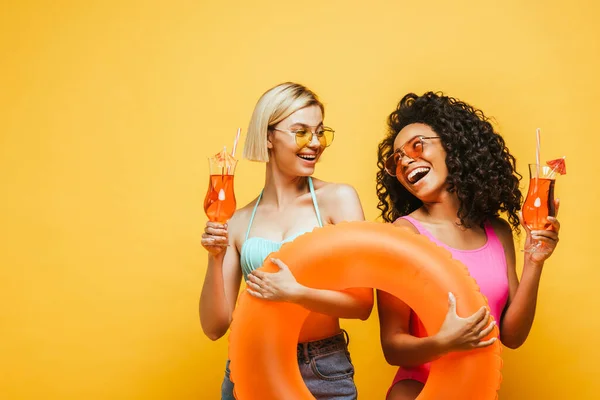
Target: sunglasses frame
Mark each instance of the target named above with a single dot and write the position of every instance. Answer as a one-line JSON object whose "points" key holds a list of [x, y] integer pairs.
{"points": [[400, 153], [312, 134]]}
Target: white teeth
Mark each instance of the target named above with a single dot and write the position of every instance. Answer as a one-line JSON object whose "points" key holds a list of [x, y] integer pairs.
{"points": [[307, 156], [416, 171]]}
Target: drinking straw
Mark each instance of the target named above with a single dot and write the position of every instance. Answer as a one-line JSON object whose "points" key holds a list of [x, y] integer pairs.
{"points": [[537, 202], [537, 152], [222, 178], [223, 165], [235, 142]]}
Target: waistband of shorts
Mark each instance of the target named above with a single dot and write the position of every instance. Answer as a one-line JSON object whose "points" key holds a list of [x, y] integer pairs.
{"points": [[324, 346]]}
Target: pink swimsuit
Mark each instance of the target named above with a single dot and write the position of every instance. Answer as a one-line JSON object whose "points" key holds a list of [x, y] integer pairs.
{"points": [[487, 265]]}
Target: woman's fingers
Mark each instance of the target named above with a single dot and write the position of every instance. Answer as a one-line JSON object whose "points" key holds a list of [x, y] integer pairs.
{"points": [[482, 323], [487, 330], [216, 225], [478, 316], [544, 239], [208, 240], [215, 231], [254, 286], [555, 223], [254, 294], [485, 343]]}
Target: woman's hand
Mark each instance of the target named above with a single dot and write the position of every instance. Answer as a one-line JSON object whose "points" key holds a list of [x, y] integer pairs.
{"points": [[215, 238], [459, 333], [547, 239], [275, 286]]}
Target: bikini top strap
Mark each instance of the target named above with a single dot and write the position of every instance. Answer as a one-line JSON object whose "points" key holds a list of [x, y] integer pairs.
{"points": [[253, 214], [314, 199]]}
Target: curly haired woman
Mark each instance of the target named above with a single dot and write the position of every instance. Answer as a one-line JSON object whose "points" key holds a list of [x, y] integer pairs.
{"points": [[446, 174]]}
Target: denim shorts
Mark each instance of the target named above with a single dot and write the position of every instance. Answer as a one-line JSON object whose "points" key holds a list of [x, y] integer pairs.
{"points": [[325, 366]]}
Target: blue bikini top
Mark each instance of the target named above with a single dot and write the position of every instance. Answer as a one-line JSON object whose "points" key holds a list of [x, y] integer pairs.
{"points": [[256, 249]]}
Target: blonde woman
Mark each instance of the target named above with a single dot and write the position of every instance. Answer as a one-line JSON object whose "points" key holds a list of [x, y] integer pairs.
{"points": [[287, 133]]}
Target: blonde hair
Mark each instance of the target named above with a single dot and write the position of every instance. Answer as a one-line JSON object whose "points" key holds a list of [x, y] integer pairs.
{"points": [[275, 105]]}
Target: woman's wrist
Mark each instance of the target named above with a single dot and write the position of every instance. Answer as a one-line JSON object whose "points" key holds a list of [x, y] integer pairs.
{"points": [[297, 294], [440, 344], [531, 264], [216, 259]]}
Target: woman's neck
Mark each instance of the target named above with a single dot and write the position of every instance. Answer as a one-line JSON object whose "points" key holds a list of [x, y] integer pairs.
{"points": [[281, 189], [443, 210]]}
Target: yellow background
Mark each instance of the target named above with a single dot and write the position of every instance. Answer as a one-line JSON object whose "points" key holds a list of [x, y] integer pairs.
{"points": [[108, 110]]}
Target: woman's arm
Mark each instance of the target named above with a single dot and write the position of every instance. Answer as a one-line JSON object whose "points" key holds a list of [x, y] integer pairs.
{"points": [[401, 348], [519, 312], [221, 282], [342, 204], [282, 286]]}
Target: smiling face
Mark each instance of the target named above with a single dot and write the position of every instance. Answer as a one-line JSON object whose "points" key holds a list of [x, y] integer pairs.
{"points": [[421, 162], [284, 150]]}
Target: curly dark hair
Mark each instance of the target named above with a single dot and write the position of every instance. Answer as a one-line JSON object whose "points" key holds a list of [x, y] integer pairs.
{"points": [[481, 170]]}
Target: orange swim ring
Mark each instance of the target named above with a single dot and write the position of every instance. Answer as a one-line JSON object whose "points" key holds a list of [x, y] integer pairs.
{"points": [[350, 255]]}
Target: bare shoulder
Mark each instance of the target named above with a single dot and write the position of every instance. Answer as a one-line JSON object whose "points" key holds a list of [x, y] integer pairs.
{"points": [[339, 191], [404, 223], [502, 228], [335, 192], [341, 201], [504, 232]]}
